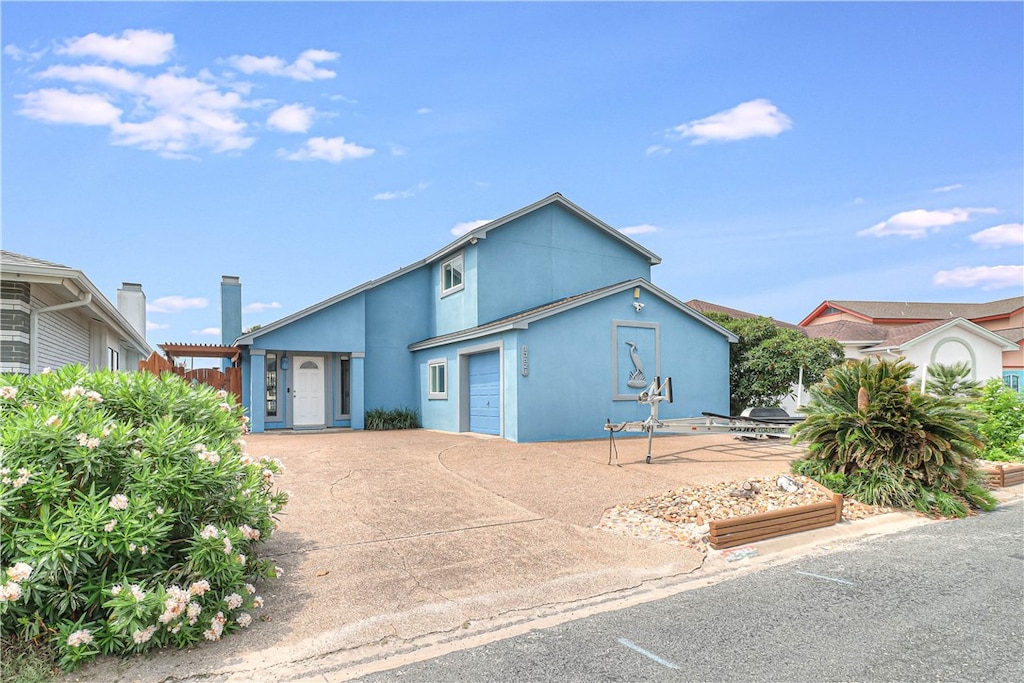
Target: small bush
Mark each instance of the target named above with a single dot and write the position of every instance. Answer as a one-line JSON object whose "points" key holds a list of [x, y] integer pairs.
{"points": [[1002, 423], [130, 513], [379, 419]]}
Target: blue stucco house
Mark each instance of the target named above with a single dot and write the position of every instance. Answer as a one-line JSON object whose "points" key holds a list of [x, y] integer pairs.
{"points": [[537, 326]]}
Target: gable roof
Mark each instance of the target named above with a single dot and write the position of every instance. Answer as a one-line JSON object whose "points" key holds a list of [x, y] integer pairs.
{"points": [[470, 237], [909, 311], [911, 335], [706, 307], [29, 269], [522, 320], [878, 338]]}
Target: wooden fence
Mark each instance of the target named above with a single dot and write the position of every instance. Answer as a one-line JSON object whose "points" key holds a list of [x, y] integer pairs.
{"points": [[230, 380]]}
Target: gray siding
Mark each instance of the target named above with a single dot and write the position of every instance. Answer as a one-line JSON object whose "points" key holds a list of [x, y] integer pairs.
{"points": [[62, 339]]}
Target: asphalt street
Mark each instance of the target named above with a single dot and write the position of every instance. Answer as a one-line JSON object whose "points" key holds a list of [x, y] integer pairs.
{"points": [[943, 601]]}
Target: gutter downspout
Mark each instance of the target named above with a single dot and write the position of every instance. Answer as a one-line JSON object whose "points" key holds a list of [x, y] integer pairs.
{"points": [[33, 326]]}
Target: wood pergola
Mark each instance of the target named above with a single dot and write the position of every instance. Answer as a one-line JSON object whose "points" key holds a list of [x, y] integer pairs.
{"points": [[175, 350]]}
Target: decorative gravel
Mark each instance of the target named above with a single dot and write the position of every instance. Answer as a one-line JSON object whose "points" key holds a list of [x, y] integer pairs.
{"points": [[683, 515]]}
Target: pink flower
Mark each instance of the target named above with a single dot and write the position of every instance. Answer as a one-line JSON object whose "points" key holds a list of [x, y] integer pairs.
{"points": [[53, 421], [109, 526], [234, 601], [143, 635], [82, 637], [244, 619], [20, 571], [94, 397], [8, 392], [209, 531], [199, 587], [10, 591], [119, 501]]}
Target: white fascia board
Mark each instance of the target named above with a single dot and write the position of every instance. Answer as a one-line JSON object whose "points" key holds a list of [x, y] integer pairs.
{"points": [[1002, 342], [71, 280]]}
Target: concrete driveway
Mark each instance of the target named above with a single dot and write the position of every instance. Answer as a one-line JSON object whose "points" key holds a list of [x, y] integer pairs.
{"points": [[391, 536]]}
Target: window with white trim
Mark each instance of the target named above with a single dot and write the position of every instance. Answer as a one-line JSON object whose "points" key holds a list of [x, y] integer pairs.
{"points": [[451, 275], [437, 374]]}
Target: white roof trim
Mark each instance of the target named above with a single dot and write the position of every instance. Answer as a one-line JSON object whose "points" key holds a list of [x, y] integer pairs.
{"points": [[1000, 341], [72, 280]]}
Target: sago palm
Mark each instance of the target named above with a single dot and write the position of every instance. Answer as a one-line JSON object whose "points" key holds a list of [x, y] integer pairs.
{"points": [[864, 419]]}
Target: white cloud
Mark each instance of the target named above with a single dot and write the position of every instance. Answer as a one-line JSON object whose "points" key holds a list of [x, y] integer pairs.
{"points": [[985, 277], [19, 55], [461, 229], [919, 222], [152, 326], [176, 304], [60, 106], [292, 118], [639, 229], [106, 76], [208, 332], [133, 47], [657, 151], [424, 110], [756, 118], [333, 150], [401, 194], [948, 188], [169, 114], [259, 307], [302, 69], [1006, 235]]}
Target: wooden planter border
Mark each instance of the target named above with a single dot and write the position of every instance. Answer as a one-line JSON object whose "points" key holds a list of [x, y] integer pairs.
{"points": [[727, 533], [1001, 476]]}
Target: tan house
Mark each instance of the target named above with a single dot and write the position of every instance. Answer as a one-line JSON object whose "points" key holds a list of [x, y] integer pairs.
{"points": [[52, 315]]}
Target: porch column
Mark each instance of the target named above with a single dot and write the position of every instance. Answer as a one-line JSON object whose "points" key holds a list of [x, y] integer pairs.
{"points": [[257, 389], [357, 392]]}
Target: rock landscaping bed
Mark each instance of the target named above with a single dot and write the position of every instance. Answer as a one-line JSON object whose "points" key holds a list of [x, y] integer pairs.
{"points": [[684, 515]]}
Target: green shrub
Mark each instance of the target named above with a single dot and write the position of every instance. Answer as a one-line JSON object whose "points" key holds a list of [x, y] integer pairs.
{"points": [[379, 419], [1002, 425], [894, 445], [130, 513]]}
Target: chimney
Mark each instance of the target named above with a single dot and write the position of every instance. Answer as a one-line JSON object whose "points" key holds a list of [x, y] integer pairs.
{"points": [[131, 303], [230, 309]]}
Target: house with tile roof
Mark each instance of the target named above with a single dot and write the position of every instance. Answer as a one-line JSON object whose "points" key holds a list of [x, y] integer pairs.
{"points": [[537, 326], [52, 315], [988, 336]]}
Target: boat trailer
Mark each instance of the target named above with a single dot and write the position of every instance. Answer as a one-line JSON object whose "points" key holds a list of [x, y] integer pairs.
{"points": [[743, 426]]}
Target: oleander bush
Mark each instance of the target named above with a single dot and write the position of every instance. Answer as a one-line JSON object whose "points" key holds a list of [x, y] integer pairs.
{"points": [[130, 512], [877, 438]]}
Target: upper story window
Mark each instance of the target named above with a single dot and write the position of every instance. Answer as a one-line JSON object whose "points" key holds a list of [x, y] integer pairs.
{"points": [[451, 275]]}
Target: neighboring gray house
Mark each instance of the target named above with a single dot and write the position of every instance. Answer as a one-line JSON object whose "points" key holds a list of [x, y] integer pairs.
{"points": [[51, 315]]}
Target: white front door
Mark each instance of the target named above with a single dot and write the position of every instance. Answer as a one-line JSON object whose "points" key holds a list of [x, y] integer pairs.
{"points": [[308, 394]]}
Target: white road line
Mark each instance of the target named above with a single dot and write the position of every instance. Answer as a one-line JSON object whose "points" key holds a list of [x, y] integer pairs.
{"points": [[664, 662], [827, 578]]}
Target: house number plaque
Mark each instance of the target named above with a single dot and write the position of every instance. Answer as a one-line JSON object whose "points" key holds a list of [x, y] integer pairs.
{"points": [[524, 360]]}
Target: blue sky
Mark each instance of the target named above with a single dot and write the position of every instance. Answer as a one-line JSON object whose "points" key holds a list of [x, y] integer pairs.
{"points": [[773, 154]]}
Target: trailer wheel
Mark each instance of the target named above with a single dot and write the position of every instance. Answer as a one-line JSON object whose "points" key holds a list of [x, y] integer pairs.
{"points": [[648, 460]]}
